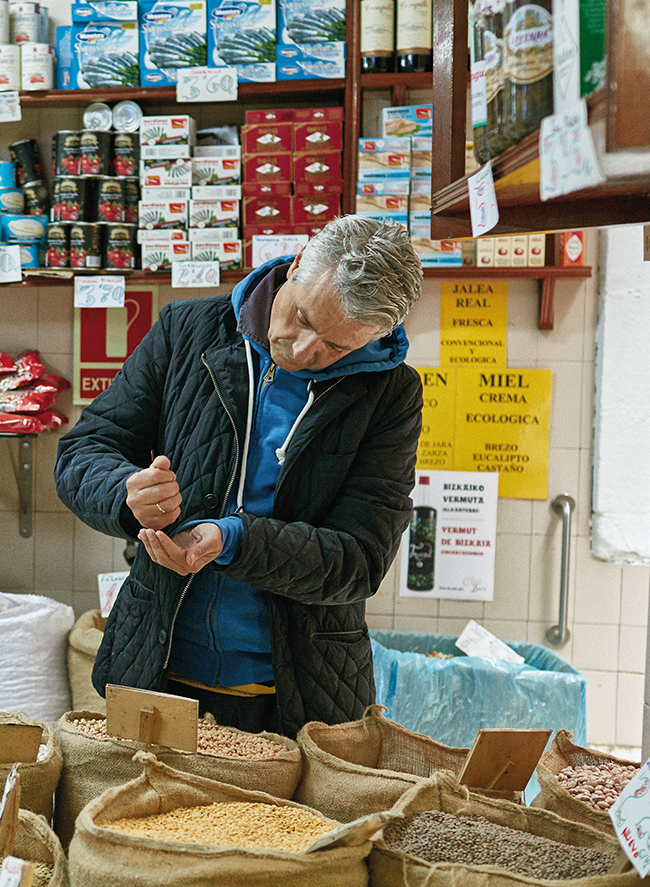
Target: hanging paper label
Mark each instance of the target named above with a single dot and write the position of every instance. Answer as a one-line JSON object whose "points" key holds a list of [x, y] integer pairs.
{"points": [[567, 155], [189, 274], [10, 269], [109, 586], [10, 106], [479, 94], [206, 85], [483, 207], [99, 292], [630, 813]]}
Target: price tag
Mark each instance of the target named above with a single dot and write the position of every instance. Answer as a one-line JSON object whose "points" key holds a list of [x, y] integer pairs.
{"points": [[629, 814], [10, 270], [15, 872], [483, 207], [189, 274], [109, 585], [10, 106], [206, 85], [99, 292], [567, 155]]}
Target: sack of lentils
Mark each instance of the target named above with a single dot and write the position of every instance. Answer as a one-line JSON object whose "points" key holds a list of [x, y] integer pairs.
{"points": [[364, 766], [581, 783], [39, 779], [450, 836], [36, 842], [94, 761], [83, 642], [172, 829]]}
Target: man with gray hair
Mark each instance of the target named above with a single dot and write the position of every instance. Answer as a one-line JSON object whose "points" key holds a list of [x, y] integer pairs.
{"points": [[261, 446]]}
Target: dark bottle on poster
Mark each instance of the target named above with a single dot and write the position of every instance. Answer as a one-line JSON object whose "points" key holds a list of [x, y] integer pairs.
{"points": [[422, 541], [377, 36], [414, 36]]}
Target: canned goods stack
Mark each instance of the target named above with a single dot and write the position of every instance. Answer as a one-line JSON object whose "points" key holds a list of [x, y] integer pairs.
{"points": [[24, 202], [96, 190], [27, 59]]}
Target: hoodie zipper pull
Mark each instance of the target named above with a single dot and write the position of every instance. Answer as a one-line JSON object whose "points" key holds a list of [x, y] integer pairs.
{"points": [[268, 376]]}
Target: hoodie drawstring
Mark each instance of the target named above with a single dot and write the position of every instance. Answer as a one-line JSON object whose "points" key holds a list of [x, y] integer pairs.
{"points": [[249, 422], [281, 451]]}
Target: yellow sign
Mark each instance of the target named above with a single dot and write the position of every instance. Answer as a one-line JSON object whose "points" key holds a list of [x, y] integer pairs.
{"points": [[436, 445], [473, 322], [503, 419]]}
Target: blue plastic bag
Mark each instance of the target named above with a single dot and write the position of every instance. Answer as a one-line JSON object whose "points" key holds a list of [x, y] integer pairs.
{"points": [[450, 700]]}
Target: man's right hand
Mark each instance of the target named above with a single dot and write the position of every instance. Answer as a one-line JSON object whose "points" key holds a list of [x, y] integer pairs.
{"points": [[153, 495]]}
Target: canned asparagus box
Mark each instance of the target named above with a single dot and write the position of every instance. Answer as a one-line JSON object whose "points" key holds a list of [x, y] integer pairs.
{"points": [[32, 254], [105, 10], [98, 55], [243, 34], [311, 39], [12, 200], [227, 252], [158, 255], [173, 36], [177, 129], [214, 213], [18, 227], [162, 214], [176, 173]]}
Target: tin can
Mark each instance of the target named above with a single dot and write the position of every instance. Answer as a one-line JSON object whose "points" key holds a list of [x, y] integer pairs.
{"points": [[110, 199], [74, 198], [24, 23], [126, 153], [131, 199], [17, 226], [37, 199], [94, 152], [44, 24], [7, 174], [27, 156], [85, 245], [32, 254], [57, 254], [118, 245], [4, 22], [12, 200], [9, 66], [36, 66], [66, 146], [127, 116], [98, 116]]}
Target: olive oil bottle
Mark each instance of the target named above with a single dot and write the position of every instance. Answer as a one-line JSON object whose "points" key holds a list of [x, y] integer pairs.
{"points": [[422, 541], [478, 91], [414, 35], [377, 36]]}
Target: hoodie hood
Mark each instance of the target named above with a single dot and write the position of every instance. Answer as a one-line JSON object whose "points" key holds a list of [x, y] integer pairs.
{"points": [[383, 354]]}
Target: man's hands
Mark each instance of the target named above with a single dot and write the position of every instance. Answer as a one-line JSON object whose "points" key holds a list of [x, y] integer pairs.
{"points": [[187, 552], [153, 495]]}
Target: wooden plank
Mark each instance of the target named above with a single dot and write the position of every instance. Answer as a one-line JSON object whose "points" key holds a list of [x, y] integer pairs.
{"points": [[19, 743], [504, 759], [154, 718], [628, 75]]}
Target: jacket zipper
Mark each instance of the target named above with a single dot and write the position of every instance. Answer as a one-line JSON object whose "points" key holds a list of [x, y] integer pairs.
{"points": [[269, 375], [223, 503]]}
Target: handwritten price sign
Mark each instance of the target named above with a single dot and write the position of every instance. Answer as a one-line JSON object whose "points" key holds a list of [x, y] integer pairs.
{"points": [[190, 274], [483, 208], [10, 106], [99, 292], [630, 814], [206, 85], [567, 155]]}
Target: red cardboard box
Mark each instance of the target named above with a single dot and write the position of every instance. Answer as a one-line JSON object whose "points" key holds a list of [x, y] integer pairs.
{"points": [[271, 115], [324, 188], [314, 167], [332, 113], [315, 209], [275, 189], [267, 209], [264, 168], [319, 135], [267, 138]]}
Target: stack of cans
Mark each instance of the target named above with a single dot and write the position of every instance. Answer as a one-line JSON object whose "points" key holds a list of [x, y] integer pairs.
{"points": [[26, 56], [24, 201]]}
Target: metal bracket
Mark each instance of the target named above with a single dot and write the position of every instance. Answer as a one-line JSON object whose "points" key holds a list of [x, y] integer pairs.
{"points": [[559, 634], [24, 475]]}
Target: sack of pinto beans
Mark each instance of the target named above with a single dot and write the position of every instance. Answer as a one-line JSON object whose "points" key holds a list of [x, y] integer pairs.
{"points": [[364, 766], [83, 644], [35, 842], [93, 761], [450, 836], [172, 829], [579, 783], [39, 779]]}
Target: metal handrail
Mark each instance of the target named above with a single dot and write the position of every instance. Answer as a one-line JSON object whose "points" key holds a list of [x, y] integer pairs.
{"points": [[559, 634]]}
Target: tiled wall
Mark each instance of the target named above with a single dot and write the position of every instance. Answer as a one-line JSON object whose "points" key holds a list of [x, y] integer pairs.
{"points": [[608, 602]]}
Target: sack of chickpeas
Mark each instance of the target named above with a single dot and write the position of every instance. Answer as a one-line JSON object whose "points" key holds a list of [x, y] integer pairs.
{"points": [[172, 829], [83, 643], [364, 766], [448, 836], [36, 842], [39, 779], [94, 761], [581, 783]]}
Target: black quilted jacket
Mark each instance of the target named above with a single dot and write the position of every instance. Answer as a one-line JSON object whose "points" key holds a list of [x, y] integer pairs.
{"points": [[341, 505]]}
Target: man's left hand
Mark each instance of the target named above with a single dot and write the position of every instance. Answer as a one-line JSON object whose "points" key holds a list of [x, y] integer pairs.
{"points": [[188, 552]]}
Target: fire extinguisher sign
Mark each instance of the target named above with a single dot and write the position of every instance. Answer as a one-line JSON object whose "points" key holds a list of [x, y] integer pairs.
{"points": [[105, 337]]}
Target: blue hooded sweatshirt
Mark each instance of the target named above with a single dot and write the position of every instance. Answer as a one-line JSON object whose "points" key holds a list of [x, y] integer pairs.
{"points": [[222, 633]]}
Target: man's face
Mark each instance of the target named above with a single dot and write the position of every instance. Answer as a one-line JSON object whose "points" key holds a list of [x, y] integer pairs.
{"points": [[308, 330]]}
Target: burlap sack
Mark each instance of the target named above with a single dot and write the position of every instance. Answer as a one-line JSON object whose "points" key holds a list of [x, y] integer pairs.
{"points": [[101, 856], [350, 770], [36, 842], [38, 780], [93, 764], [83, 643], [392, 868], [552, 796]]}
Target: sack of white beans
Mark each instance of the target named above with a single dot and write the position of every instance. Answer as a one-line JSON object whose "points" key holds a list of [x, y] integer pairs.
{"points": [[172, 829], [39, 779], [36, 842], [581, 783], [364, 766], [94, 761], [83, 643], [448, 835]]}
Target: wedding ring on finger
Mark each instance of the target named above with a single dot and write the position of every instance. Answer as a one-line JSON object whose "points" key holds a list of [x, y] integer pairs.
{"points": [[161, 510]]}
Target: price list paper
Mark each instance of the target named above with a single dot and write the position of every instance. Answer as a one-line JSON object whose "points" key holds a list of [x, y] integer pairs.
{"points": [[191, 274], [436, 444], [473, 322], [448, 549], [99, 292], [567, 156], [10, 106], [206, 85]]}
